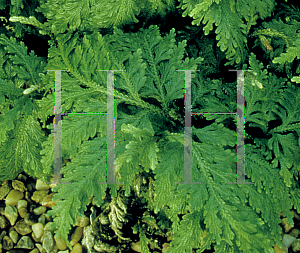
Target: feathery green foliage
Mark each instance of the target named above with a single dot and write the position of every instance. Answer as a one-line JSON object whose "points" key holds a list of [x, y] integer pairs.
{"points": [[149, 126]]}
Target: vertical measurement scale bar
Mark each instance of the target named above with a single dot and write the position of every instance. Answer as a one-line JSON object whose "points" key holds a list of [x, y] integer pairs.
{"points": [[240, 132], [57, 129], [110, 126], [188, 157], [110, 129]]}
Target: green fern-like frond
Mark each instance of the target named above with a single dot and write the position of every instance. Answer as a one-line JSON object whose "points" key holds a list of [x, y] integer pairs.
{"points": [[76, 129], [284, 140], [291, 53], [158, 53], [117, 214], [264, 195], [22, 152], [141, 150], [27, 67], [86, 15], [18, 111], [259, 85], [227, 16], [282, 37], [83, 173], [185, 240], [219, 205]]}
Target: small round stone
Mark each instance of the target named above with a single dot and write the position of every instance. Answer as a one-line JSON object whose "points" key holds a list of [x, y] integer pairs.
{"points": [[39, 210], [38, 229], [76, 248], [13, 197], [76, 236], [61, 245], [41, 186]]}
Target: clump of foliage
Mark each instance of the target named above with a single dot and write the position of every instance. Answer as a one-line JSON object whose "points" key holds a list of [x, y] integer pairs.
{"points": [[85, 37]]}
